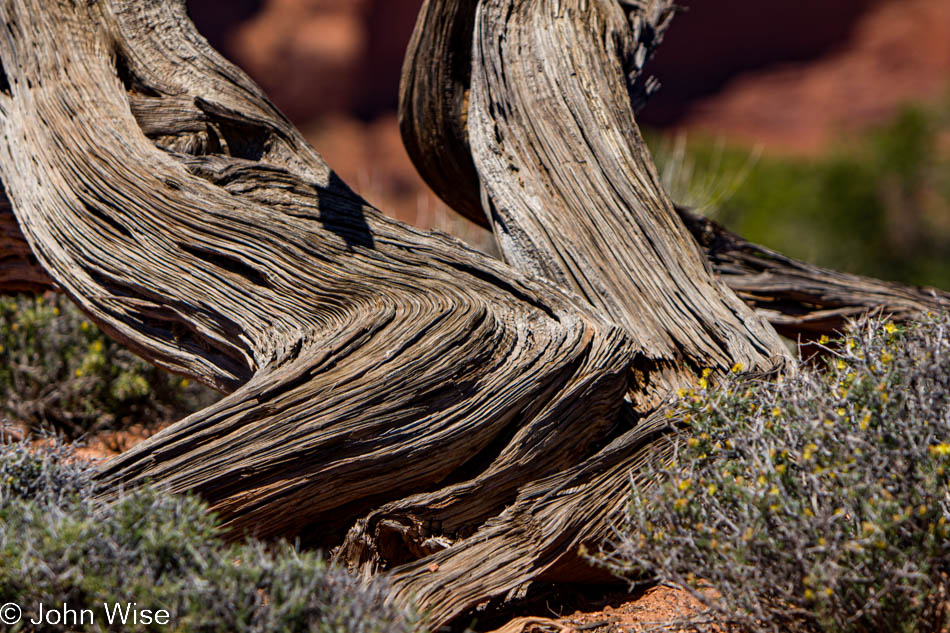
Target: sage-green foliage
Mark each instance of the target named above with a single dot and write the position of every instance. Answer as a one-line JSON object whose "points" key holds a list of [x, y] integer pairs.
{"points": [[58, 371], [160, 551], [878, 205], [814, 503]]}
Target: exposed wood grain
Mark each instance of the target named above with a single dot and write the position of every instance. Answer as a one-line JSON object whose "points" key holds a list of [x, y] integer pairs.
{"points": [[433, 103], [574, 197], [435, 90], [367, 361], [426, 409], [539, 536], [800, 299]]}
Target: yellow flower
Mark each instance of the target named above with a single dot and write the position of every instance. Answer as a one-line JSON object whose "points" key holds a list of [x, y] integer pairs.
{"points": [[55, 311], [828, 591], [737, 368], [841, 412], [84, 326], [703, 383], [680, 503], [865, 421], [184, 382], [780, 469], [707, 373], [686, 484], [890, 328], [822, 541], [776, 412], [96, 346], [78, 373], [824, 339], [681, 392], [774, 491], [887, 357], [841, 364], [712, 489], [762, 480], [809, 594]]}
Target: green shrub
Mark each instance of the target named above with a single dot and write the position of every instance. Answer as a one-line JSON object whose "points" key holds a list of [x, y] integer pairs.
{"points": [[162, 552], [817, 502], [58, 371], [878, 205]]}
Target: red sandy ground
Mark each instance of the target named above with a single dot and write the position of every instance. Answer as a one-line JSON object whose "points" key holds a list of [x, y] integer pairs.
{"points": [[635, 613]]}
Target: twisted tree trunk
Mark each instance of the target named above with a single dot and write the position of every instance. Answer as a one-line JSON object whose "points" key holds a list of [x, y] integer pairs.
{"points": [[422, 408]]}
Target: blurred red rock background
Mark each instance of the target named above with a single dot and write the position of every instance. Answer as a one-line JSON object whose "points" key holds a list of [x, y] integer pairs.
{"points": [[791, 75]]}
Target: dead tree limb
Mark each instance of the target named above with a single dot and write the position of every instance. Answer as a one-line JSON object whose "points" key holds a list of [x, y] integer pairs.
{"points": [[391, 392], [573, 196], [367, 361], [801, 300]]}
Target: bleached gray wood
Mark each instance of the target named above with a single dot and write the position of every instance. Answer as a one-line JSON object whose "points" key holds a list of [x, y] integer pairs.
{"points": [[366, 361], [421, 407]]}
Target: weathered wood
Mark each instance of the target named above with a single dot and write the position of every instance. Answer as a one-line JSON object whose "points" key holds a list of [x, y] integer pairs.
{"points": [[573, 195], [801, 300], [367, 361], [433, 103], [435, 89], [433, 412]]}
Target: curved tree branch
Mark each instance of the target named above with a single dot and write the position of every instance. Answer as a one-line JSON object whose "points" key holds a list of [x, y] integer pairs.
{"points": [[367, 361], [800, 299], [391, 392], [574, 197]]}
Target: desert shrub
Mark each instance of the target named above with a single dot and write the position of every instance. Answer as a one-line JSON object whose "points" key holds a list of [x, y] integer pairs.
{"points": [[817, 502], [160, 551], [58, 371], [877, 205]]}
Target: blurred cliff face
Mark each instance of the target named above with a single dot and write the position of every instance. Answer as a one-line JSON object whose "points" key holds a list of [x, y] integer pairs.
{"points": [[315, 57], [790, 72]]}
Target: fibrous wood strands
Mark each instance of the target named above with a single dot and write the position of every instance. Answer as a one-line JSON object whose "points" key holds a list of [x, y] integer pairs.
{"points": [[459, 422]]}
